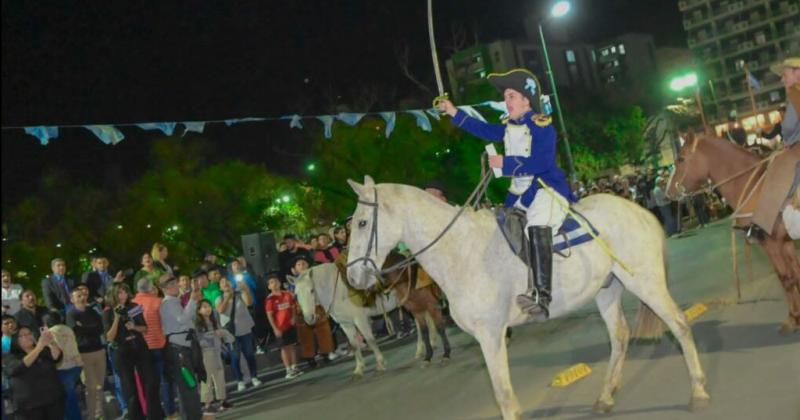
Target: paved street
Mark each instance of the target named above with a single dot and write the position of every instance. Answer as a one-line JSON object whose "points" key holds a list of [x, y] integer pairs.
{"points": [[752, 372]]}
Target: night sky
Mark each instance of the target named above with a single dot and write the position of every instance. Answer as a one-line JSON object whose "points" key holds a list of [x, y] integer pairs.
{"points": [[71, 62]]}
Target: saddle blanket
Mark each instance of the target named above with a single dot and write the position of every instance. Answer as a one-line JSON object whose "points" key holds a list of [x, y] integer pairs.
{"points": [[512, 225]]}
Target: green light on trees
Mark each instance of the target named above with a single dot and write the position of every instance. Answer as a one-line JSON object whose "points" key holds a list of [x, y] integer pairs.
{"points": [[311, 167], [286, 198]]}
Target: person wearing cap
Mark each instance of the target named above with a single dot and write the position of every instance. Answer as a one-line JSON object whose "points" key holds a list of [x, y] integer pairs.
{"points": [[176, 321], [530, 145], [783, 175], [789, 71]]}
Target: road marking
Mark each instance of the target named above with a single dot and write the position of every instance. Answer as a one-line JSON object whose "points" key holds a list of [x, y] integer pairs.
{"points": [[573, 373], [695, 311]]}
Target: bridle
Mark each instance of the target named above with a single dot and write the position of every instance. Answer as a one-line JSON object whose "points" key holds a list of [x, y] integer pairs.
{"points": [[682, 190]]}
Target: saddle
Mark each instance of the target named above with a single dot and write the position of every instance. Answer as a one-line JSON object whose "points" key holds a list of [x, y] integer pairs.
{"points": [[512, 221], [779, 184]]}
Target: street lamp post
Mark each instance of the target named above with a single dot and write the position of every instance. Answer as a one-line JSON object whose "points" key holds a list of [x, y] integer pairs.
{"points": [[560, 9]]}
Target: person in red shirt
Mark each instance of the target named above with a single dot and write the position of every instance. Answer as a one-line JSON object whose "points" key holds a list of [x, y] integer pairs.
{"points": [[280, 306]]}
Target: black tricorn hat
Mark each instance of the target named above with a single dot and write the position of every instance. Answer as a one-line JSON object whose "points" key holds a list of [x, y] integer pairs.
{"points": [[520, 80]]}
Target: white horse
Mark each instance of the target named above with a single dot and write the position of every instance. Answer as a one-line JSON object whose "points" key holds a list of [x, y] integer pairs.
{"points": [[322, 285], [473, 265]]}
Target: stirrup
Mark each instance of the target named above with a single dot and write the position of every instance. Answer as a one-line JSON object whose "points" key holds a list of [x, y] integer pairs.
{"points": [[534, 303]]}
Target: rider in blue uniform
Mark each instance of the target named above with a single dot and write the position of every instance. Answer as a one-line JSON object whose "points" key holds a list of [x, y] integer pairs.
{"points": [[529, 141]]}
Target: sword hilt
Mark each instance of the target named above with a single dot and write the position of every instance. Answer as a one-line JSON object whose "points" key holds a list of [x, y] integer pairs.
{"points": [[437, 100]]}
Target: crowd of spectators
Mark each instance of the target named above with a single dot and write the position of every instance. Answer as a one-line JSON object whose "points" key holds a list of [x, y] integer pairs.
{"points": [[648, 189], [156, 340]]}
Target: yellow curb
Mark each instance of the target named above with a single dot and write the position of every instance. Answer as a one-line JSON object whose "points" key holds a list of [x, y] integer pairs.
{"points": [[695, 311], [573, 373]]}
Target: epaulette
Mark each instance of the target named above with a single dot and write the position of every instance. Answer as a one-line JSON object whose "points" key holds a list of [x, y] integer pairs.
{"points": [[541, 120]]}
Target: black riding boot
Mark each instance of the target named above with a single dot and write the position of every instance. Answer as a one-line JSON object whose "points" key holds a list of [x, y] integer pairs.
{"points": [[541, 257]]}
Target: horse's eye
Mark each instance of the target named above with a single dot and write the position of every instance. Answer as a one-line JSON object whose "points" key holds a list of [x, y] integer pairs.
{"points": [[362, 223]]}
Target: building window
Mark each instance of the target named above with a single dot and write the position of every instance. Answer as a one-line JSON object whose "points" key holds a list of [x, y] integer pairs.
{"points": [[594, 57], [604, 52], [616, 63], [622, 48], [496, 57], [570, 56], [483, 74], [613, 50]]}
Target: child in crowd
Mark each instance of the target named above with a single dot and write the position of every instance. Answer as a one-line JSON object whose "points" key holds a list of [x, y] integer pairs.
{"points": [[185, 287], [280, 308], [211, 336]]}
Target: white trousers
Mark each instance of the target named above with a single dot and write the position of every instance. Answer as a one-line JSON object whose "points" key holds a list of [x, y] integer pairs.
{"points": [[547, 209]]}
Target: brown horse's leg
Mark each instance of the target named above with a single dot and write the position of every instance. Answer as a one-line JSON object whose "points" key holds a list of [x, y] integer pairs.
{"points": [[436, 313], [424, 333], [793, 283], [774, 250]]}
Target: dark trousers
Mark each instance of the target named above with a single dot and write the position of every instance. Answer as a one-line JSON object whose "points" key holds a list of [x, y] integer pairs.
{"points": [[699, 204], [127, 363], [53, 411], [167, 388], [244, 344], [189, 397]]}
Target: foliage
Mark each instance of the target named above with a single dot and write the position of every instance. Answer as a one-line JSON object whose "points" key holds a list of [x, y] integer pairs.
{"points": [[604, 139], [410, 156], [184, 201]]}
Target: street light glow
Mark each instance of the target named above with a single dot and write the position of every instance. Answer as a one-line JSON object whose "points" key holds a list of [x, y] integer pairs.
{"points": [[560, 9], [311, 167], [681, 82], [285, 198]]}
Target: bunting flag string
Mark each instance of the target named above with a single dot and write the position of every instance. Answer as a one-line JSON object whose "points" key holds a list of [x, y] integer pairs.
{"points": [[110, 133]]}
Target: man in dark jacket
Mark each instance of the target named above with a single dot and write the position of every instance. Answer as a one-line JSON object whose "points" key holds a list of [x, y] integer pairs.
{"points": [[56, 287]]}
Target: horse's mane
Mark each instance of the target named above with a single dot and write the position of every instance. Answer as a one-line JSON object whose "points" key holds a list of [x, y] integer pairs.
{"points": [[718, 143], [427, 198]]}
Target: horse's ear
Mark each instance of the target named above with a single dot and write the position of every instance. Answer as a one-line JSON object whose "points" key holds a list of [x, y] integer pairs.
{"points": [[358, 188], [368, 182]]}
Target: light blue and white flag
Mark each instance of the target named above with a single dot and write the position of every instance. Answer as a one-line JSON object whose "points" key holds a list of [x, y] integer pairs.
{"points": [[43, 133], [391, 119], [422, 120], [327, 121], [193, 126], [166, 127], [108, 134], [469, 110], [349, 118]]}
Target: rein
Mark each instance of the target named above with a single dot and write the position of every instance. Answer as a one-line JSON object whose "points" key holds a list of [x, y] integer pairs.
{"points": [[472, 201], [725, 180]]}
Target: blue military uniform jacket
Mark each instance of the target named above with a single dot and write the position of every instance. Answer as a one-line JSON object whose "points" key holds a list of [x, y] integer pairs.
{"points": [[538, 160]]}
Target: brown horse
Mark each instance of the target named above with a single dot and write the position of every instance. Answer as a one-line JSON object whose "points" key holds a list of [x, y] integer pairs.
{"points": [[737, 174], [418, 301]]}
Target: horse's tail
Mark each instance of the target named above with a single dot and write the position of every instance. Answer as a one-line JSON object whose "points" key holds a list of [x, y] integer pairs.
{"points": [[648, 325]]}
